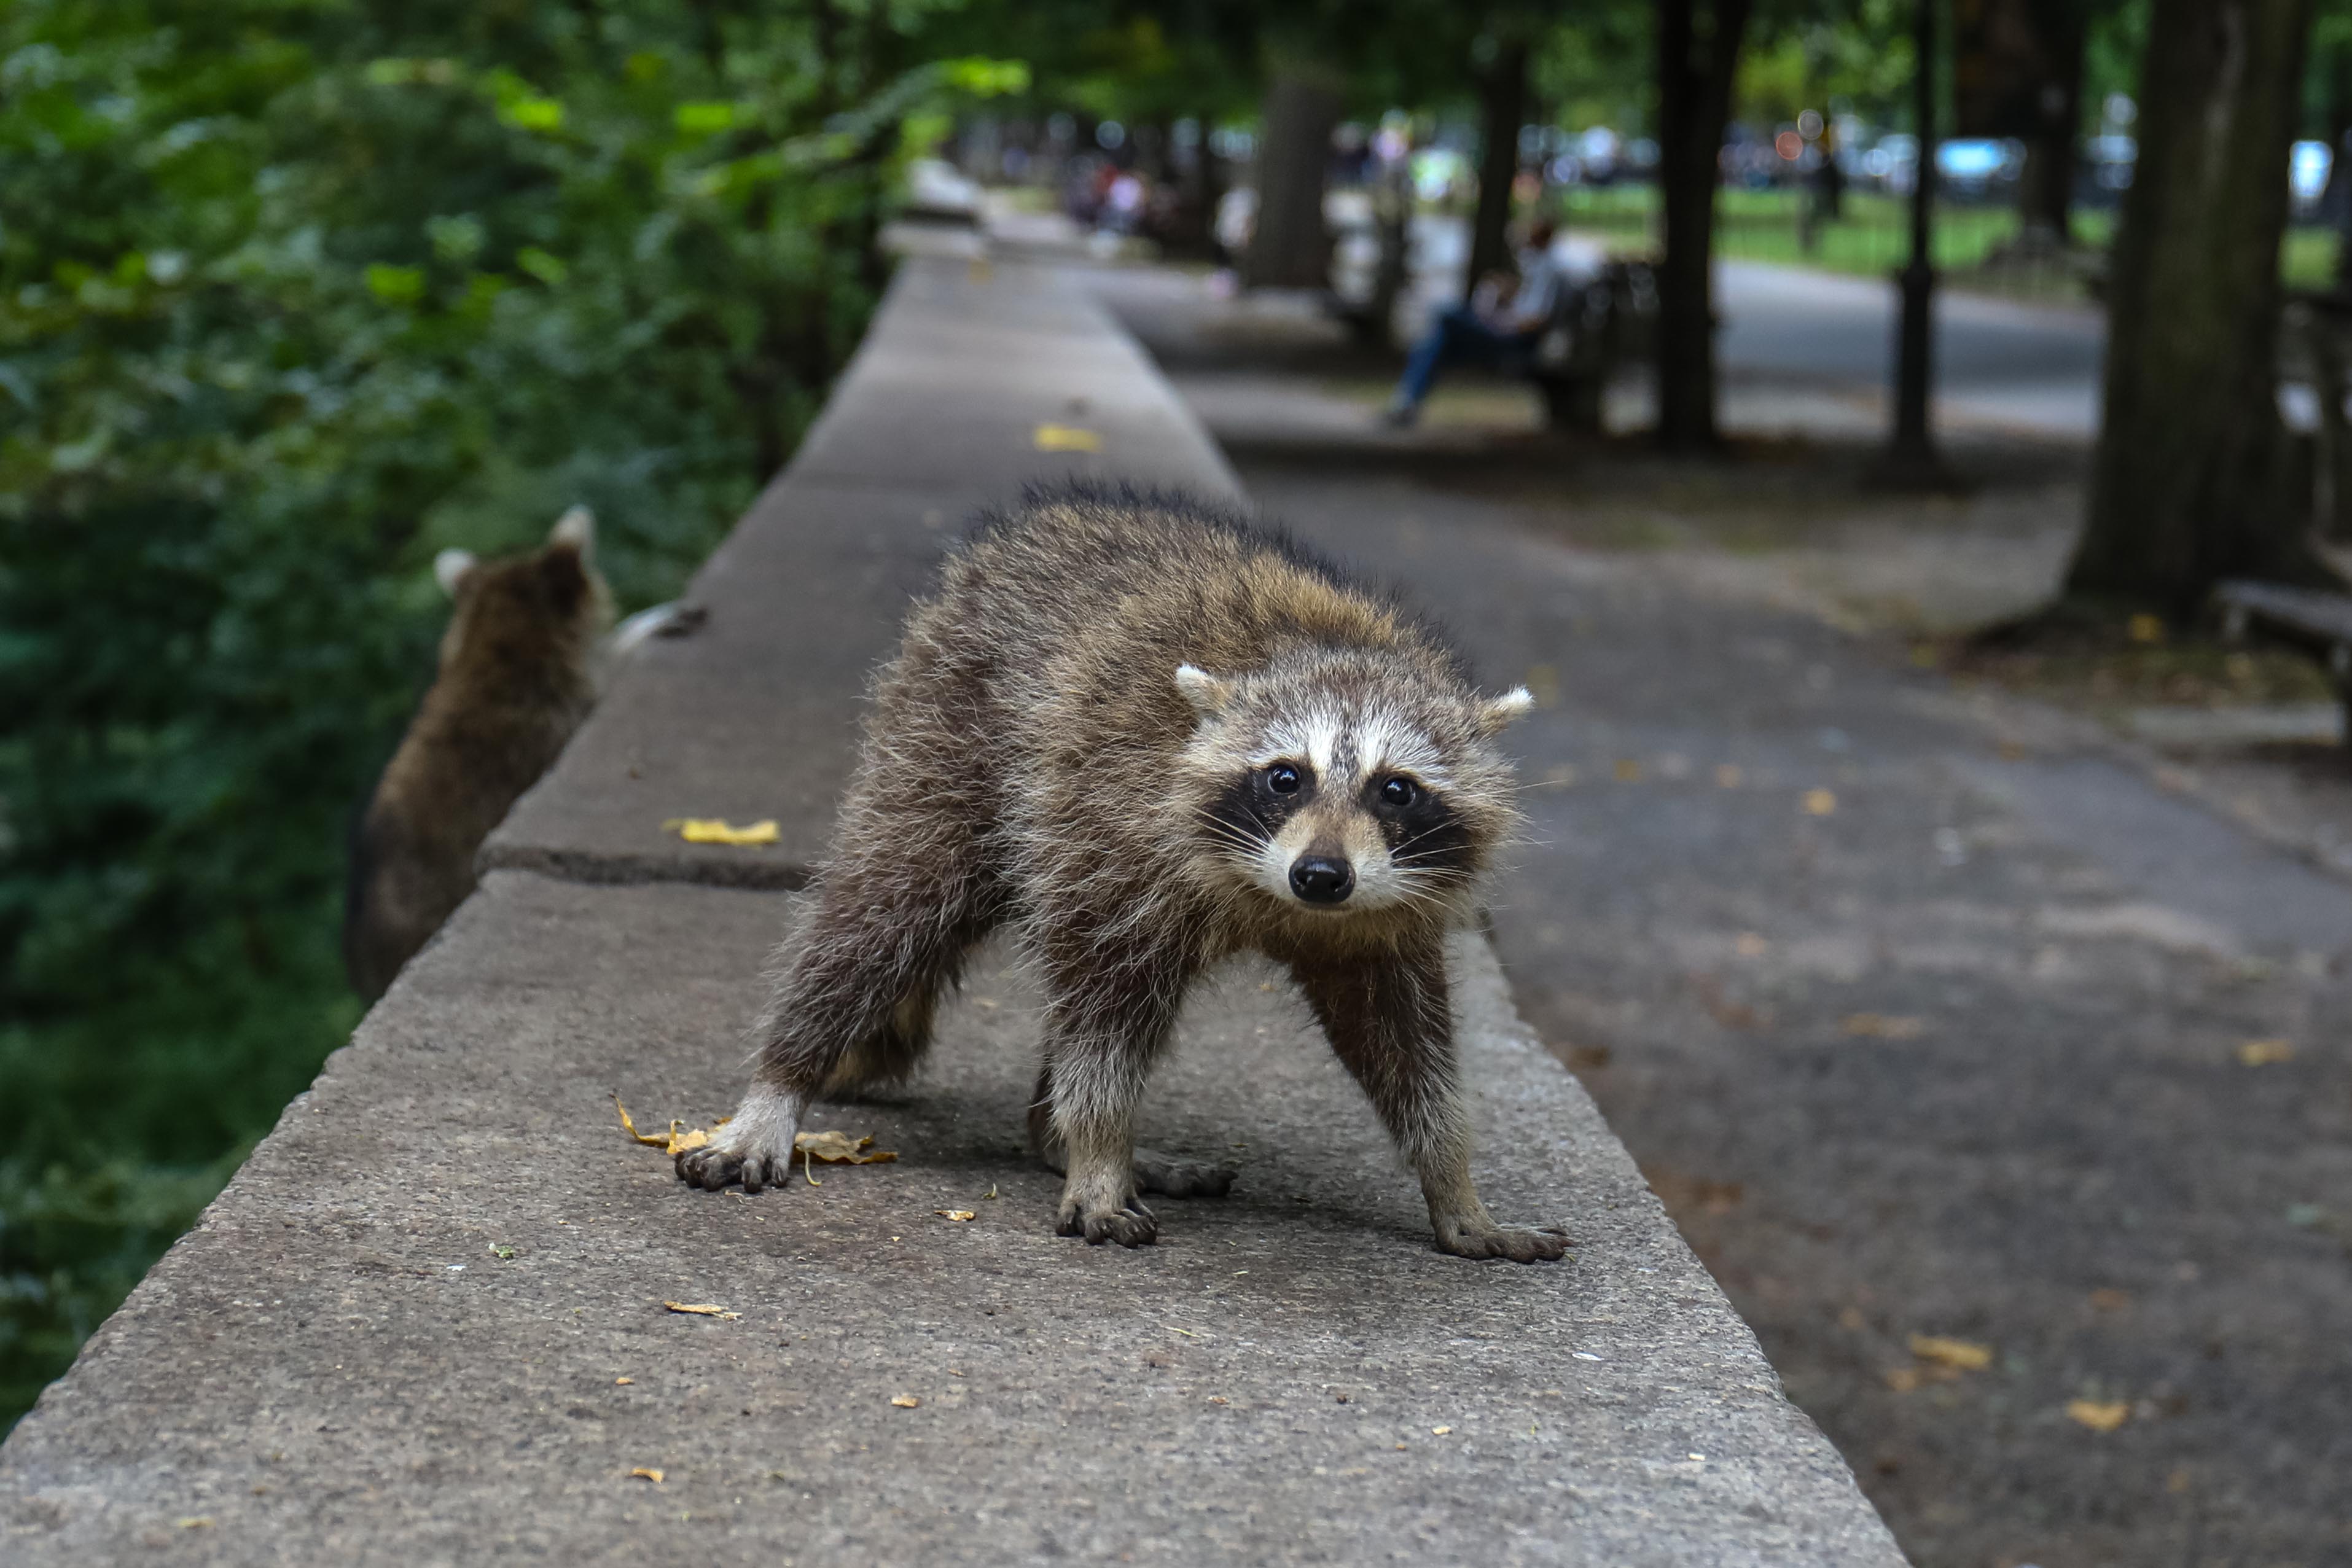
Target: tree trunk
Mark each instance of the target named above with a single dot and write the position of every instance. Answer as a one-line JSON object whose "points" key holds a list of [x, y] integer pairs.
{"points": [[2045, 188], [1291, 248], [1698, 46], [1503, 105], [2190, 481]]}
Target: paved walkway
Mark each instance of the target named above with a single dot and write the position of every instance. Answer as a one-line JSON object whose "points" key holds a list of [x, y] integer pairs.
{"points": [[426, 1322], [1928, 1013]]}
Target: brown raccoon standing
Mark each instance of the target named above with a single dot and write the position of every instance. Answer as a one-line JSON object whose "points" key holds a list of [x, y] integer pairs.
{"points": [[1149, 738], [515, 681]]}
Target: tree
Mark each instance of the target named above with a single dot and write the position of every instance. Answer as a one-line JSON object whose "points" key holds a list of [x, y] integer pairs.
{"points": [[1290, 247], [2190, 482], [1698, 46], [1502, 107], [2017, 70]]}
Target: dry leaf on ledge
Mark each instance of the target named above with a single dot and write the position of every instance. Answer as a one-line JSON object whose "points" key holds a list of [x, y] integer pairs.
{"points": [[1066, 438], [958, 1215], [828, 1148], [702, 1310], [642, 1474], [905, 1401], [716, 830]]}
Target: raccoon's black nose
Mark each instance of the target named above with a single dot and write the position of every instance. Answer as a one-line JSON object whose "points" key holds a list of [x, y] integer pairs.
{"points": [[1318, 879]]}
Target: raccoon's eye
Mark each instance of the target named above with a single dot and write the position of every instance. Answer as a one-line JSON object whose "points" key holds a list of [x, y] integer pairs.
{"points": [[1282, 779], [1399, 792]]}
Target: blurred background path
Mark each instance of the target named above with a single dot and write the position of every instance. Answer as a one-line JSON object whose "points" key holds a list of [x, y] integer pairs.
{"points": [[1974, 1044]]}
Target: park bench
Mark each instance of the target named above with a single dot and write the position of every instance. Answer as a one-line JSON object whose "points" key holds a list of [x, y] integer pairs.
{"points": [[2315, 621], [1596, 325]]}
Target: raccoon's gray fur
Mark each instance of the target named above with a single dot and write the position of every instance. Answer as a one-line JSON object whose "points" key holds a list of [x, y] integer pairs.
{"points": [[516, 678], [1146, 737]]}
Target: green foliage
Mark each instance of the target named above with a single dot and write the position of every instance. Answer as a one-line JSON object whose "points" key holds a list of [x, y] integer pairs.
{"points": [[293, 293]]}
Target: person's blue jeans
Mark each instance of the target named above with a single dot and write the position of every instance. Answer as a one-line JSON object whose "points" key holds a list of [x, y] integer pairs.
{"points": [[1457, 337]]}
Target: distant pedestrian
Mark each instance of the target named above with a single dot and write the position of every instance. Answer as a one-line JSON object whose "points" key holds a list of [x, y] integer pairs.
{"points": [[1498, 327]]}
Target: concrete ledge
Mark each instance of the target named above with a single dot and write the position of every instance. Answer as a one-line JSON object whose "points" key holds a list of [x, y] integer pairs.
{"points": [[424, 1324], [339, 1365]]}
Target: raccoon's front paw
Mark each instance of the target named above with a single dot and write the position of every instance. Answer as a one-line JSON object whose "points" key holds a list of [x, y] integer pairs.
{"points": [[1124, 1220], [1478, 1236], [754, 1149], [1173, 1177]]}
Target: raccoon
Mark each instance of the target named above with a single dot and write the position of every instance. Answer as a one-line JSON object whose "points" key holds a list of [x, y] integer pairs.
{"points": [[517, 673], [1147, 736]]}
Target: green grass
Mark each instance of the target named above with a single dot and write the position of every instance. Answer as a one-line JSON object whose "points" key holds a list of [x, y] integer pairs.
{"points": [[1873, 236]]}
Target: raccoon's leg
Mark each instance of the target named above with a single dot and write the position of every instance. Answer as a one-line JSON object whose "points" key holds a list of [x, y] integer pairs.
{"points": [[1107, 1019], [908, 894], [1390, 1021], [1168, 1175]]}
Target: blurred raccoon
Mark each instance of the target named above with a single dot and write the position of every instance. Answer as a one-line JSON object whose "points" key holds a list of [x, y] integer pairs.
{"points": [[1148, 737], [518, 675]]}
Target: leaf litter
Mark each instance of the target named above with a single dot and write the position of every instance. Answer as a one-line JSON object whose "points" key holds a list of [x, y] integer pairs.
{"points": [[831, 1147]]}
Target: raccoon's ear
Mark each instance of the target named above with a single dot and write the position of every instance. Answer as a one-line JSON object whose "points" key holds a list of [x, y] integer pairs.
{"points": [[450, 567], [1205, 692], [576, 528], [1495, 714]]}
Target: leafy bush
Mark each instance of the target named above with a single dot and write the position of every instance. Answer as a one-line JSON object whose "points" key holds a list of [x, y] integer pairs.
{"points": [[292, 293]]}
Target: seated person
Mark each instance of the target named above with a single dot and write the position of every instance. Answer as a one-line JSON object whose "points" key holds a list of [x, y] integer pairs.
{"points": [[1498, 327]]}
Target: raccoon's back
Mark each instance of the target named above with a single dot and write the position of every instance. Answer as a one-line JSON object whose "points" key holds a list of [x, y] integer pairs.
{"points": [[468, 756], [1102, 593]]}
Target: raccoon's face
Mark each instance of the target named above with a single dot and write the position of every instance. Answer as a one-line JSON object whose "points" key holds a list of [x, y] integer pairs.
{"points": [[1347, 791]]}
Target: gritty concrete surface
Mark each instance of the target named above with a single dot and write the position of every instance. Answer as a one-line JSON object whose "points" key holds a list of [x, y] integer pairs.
{"points": [[1927, 1013], [342, 1364], [425, 1322]]}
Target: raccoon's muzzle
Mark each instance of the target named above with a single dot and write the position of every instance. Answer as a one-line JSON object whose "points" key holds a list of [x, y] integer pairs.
{"points": [[1319, 878]]}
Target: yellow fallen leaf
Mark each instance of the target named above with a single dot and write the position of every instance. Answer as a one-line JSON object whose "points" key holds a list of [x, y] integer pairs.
{"points": [[1066, 438], [2099, 1416], [642, 1474], [1820, 802], [958, 1215], [702, 1310], [200, 1521], [622, 1382], [1439, 1431], [1880, 1026], [832, 1148], [1629, 771], [671, 1143], [905, 1401], [1964, 1354], [716, 830], [2264, 1053], [2145, 628], [835, 1149]]}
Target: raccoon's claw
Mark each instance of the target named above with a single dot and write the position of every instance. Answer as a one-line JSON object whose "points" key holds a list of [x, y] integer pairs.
{"points": [[715, 1169], [1130, 1225], [1484, 1239], [1173, 1177]]}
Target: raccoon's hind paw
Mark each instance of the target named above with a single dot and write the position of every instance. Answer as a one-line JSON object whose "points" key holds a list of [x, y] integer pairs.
{"points": [[1173, 1177], [1480, 1236], [1129, 1223]]}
